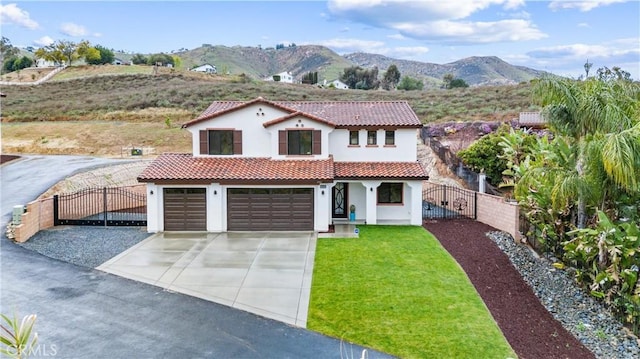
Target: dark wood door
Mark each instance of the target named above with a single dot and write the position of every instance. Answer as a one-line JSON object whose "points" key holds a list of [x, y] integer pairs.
{"points": [[270, 209], [185, 209]]}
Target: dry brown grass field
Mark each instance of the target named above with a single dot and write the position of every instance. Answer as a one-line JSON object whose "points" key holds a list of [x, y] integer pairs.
{"points": [[99, 110]]}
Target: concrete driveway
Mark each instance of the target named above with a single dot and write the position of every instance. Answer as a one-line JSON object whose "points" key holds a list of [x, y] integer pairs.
{"points": [[86, 313], [266, 273]]}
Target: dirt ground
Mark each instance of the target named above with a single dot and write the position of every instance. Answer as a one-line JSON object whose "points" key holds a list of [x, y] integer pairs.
{"points": [[525, 323]]}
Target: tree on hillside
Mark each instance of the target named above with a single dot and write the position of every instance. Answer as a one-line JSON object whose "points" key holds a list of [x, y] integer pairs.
{"points": [[139, 59], [161, 58], [92, 56], [458, 83], [177, 61], [587, 68], [391, 77], [16, 63], [106, 56], [446, 80], [64, 51], [615, 73], [310, 78], [449, 81], [358, 78], [7, 50], [408, 83]]}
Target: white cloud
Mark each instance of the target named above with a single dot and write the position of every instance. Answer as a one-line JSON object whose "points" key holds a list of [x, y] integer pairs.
{"points": [[345, 29], [43, 41], [462, 32], [569, 59], [441, 21], [408, 52], [12, 14], [396, 37], [584, 24], [72, 29], [354, 45], [582, 5], [411, 10]]}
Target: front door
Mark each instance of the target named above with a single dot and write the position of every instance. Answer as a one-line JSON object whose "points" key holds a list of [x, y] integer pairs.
{"points": [[340, 200]]}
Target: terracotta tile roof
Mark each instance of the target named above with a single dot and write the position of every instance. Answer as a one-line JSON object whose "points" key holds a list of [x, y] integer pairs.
{"points": [[295, 114], [340, 113], [183, 167], [373, 170], [360, 113]]}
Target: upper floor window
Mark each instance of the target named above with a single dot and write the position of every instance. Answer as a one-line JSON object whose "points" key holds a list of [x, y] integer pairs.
{"points": [[299, 142], [389, 138], [220, 142], [354, 139], [390, 193], [372, 138]]}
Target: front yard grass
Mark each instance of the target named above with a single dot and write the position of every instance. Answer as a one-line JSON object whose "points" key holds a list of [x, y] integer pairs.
{"points": [[397, 290]]}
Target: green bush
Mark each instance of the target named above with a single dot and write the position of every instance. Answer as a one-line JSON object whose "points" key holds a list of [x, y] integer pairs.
{"points": [[484, 155]]}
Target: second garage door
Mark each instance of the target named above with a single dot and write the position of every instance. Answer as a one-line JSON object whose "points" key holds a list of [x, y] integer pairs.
{"points": [[270, 209]]}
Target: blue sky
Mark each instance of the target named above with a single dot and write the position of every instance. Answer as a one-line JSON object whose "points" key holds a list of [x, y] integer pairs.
{"points": [[556, 36]]}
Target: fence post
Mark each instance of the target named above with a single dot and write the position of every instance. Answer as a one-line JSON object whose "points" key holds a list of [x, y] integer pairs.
{"points": [[475, 205], [56, 214], [104, 204]]}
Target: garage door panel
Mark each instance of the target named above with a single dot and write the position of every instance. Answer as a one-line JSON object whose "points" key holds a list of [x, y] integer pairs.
{"points": [[280, 209]]}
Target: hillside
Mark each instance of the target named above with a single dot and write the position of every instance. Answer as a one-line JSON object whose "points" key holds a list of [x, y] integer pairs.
{"points": [[489, 70], [260, 63], [263, 62], [100, 111]]}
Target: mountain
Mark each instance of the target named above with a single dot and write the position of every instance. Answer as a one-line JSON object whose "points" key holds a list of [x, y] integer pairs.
{"points": [[261, 63], [264, 62], [488, 70]]}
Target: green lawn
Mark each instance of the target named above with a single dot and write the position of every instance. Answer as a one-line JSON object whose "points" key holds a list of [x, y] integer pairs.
{"points": [[396, 289]]}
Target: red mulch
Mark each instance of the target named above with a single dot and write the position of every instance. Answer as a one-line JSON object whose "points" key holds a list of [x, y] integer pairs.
{"points": [[527, 325], [7, 158]]}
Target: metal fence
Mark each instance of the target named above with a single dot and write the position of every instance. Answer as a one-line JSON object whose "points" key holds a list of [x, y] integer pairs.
{"points": [[101, 207]]}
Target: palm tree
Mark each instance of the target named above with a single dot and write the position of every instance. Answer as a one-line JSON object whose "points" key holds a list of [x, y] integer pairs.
{"points": [[600, 118]]}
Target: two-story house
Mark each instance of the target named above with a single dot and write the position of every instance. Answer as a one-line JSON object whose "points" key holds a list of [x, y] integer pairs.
{"points": [[265, 165]]}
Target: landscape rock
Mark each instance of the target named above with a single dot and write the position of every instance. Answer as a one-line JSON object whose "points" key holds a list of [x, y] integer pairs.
{"points": [[584, 317]]}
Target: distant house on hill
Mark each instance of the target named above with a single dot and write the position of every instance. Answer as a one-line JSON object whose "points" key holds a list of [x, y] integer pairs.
{"points": [[532, 119], [45, 63], [336, 84], [117, 61], [206, 68], [285, 77]]}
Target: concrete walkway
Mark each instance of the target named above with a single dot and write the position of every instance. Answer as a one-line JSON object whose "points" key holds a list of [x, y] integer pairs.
{"points": [[265, 273]]}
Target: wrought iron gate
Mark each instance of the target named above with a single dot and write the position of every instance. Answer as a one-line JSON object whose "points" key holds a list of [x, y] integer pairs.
{"points": [[101, 207], [447, 202]]}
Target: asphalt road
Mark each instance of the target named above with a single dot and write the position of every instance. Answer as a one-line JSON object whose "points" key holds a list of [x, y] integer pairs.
{"points": [[84, 313]]}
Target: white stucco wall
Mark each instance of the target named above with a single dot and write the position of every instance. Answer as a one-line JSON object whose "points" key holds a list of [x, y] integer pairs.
{"points": [[154, 209], [405, 148], [368, 209], [217, 205], [256, 140], [300, 123]]}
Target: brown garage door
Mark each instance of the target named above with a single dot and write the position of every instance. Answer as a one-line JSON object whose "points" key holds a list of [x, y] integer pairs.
{"points": [[185, 209], [270, 209]]}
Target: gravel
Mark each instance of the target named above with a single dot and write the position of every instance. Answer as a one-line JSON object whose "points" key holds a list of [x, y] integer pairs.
{"points": [[588, 320], [85, 246]]}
